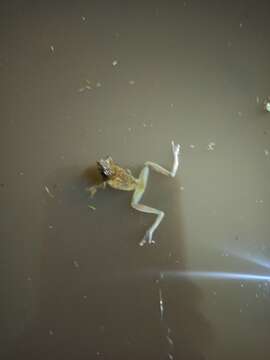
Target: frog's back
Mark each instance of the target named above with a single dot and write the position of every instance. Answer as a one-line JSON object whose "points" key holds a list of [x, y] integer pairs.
{"points": [[122, 179]]}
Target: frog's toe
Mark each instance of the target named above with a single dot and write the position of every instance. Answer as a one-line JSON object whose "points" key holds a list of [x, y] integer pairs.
{"points": [[143, 242], [175, 148]]}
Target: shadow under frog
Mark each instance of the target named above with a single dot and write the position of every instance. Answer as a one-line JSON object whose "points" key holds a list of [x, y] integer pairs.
{"points": [[96, 293]]}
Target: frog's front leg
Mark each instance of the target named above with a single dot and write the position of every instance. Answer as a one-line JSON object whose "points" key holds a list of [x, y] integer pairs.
{"points": [[161, 170], [142, 182], [93, 189]]}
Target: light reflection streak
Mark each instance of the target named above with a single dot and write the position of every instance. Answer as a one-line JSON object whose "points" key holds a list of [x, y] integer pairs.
{"points": [[217, 275], [259, 260]]}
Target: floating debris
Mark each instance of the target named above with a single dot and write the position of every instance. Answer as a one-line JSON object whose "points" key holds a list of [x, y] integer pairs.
{"points": [[83, 18], [114, 63], [76, 264], [51, 332], [131, 82], [182, 188], [52, 48], [161, 306], [192, 146], [266, 152], [48, 192], [92, 207], [50, 226], [2, 185], [211, 146], [241, 25], [267, 105], [88, 87], [257, 99], [98, 84], [81, 89], [259, 201], [21, 173]]}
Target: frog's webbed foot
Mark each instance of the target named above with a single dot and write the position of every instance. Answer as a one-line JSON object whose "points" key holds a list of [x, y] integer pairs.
{"points": [[147, 238], [93, 189]]}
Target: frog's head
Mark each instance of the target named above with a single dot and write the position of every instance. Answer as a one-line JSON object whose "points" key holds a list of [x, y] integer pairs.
{"points": [[105, 167]]}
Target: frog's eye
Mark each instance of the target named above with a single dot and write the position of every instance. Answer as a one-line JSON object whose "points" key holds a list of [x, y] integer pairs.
{"points": [[109, 158]]}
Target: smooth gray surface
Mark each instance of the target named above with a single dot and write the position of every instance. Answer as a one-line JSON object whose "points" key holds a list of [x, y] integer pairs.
{"points": [[75, 284]]}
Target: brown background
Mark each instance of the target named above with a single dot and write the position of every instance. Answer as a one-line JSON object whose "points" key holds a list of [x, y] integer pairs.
{"points": [[75, 284]]}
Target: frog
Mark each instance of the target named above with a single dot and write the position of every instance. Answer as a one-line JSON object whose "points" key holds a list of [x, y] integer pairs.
{"points": [[119, 178]]}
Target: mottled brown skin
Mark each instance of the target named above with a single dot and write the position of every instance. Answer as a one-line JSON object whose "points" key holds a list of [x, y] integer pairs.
{"points": [[121, 179]]}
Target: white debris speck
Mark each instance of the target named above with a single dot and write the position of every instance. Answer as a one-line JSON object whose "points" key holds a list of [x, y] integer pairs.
{"points": [[161, 307], [259, 201], [76, 264], [240, 310], [257, 295], [171, 105], [85, 296], [240, 113], [267, 106], [114, 63], [257, 99], [129, 129], [98, 353], [144, 125], [241, 25], [21, 173], [52, 48], [182, 188], [242, 285], [81, 89], [192, 146], [211, 146], [98, 84], [83, 18], [50, 227], [266, 152], [29, 278], [88, 87], [48, 191], [161, 275], [51, 332], [131, 82]]}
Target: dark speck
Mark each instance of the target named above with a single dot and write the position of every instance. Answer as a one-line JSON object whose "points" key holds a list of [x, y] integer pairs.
{"points": [[2, 185]]}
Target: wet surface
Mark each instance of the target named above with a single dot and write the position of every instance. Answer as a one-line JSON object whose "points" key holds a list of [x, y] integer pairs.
{"points": [[85, 79]]}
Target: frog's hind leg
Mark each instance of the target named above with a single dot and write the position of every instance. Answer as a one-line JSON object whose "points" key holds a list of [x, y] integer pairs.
{"points": [[163, 171], [138, 193]]}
